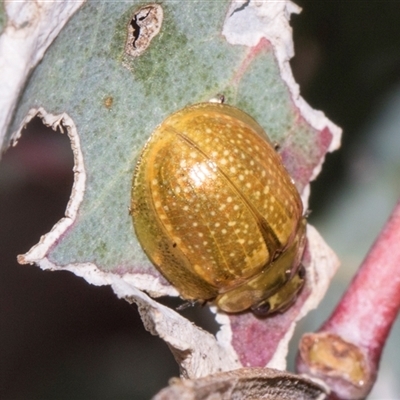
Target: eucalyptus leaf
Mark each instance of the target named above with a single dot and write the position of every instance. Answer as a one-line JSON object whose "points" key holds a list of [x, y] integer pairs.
{"points": [[109, 96]]}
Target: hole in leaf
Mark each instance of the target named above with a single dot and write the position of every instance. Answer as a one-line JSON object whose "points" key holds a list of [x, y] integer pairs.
{"points": [[37, 174]]}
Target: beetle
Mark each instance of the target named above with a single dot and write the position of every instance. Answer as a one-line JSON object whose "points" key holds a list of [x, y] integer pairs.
{"points": [[217, 213]]}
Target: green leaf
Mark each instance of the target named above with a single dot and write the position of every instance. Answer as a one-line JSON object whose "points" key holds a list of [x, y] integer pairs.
{"points": [[110, 102]]}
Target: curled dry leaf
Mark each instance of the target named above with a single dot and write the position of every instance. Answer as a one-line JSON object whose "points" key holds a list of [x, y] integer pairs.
{"points": [[244, 383], [197, 352], [29, 29]]}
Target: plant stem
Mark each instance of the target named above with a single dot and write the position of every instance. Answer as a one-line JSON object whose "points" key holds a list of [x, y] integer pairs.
{"points": [[345, 352]]}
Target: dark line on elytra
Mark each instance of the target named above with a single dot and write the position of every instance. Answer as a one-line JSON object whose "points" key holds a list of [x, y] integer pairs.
{"points": [[262, 222]]}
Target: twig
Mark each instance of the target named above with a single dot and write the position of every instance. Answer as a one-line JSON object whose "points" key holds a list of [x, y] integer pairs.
{"points": [[345, 352]]}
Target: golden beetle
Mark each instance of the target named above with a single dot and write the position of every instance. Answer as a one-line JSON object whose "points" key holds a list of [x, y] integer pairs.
{"points": [[217, 213]]}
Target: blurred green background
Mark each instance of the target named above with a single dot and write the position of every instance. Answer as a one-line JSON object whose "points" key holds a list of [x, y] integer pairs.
{"points": [[61, 338]]}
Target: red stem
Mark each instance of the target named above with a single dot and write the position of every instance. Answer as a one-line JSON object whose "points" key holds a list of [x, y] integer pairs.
{"points": [[373, 299], [346, 350]]}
